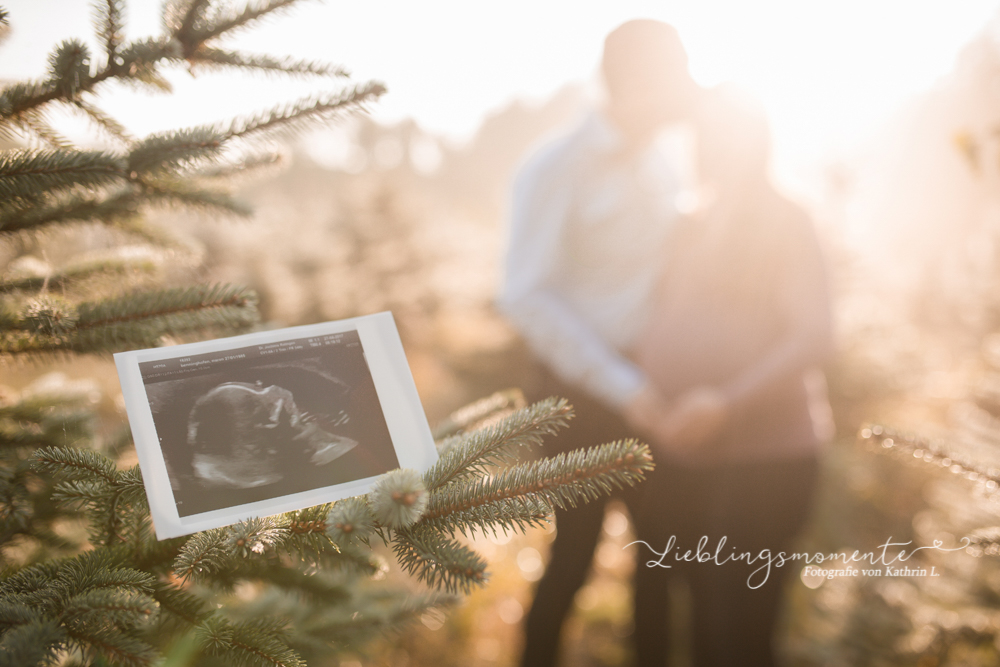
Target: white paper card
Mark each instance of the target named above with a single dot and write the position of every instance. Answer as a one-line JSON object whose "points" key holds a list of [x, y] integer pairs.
{"points": [[271, 422]]}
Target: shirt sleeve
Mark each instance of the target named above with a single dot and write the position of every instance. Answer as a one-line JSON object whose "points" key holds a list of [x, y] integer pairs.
{"points": [[541, 201], [805, 301]]}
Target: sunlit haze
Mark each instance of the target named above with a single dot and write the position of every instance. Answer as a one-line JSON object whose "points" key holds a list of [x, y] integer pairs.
{"points": [[827, 71]]}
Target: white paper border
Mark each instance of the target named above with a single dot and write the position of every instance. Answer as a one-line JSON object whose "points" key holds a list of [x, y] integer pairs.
{"points": [[397, 394]]}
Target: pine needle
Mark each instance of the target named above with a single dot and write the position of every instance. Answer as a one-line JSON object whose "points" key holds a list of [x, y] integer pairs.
{"points": [[27, 174], [438, 561], [210, 58], [475, 453]]}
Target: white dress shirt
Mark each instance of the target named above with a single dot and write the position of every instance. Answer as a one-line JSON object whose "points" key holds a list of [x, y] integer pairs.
{"points": [[588, 225]]}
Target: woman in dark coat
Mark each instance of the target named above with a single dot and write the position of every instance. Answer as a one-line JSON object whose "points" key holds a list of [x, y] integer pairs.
{"points": [[740, 325]]}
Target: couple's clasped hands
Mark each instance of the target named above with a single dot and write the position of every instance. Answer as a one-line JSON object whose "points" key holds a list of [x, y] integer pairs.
{"points": [[680, 428]]}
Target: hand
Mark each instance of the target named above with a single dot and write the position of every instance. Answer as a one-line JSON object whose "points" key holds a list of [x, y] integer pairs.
{"points": [[696, 418]]}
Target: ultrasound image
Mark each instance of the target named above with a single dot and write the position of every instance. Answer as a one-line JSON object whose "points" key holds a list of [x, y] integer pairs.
{"points": [[267, 421]]}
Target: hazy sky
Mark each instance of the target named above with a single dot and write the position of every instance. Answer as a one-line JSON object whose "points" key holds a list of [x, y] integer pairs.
{"points": [[827, 70]]}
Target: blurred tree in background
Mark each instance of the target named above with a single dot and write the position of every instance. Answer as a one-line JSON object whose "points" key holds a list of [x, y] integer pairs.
{"points": [[921, 364], [84, 581]]}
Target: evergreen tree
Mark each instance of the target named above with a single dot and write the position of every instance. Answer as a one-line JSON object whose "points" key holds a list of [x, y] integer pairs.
{"points": [[120, 597], [933, 488]]}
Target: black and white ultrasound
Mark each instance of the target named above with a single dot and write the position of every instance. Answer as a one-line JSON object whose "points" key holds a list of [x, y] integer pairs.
{"points": [[265, 421]]}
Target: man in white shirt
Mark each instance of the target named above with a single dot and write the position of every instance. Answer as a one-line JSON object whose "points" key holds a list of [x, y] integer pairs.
{"points": [[590, 216]]}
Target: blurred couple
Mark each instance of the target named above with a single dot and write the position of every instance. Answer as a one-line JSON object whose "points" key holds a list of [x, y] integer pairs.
{"points": [[695, 333]]}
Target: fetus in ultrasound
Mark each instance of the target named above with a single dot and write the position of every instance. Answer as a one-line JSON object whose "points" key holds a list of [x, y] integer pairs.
{"points": [[247, 435]]}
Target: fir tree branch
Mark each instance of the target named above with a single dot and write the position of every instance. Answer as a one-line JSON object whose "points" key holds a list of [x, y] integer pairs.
{"points": [[353, 559], [313, 586], [350, 521], [78, 272], [33, 643], [308, 521], [112, 507], [111, 127], [95, 602], [309, 539], [473, 454], [219, 59], [211, 552], [69, 67], [14, 611], [77, 494], [190, 15], [204, 554], [563, 480], [247, 550], [108, 210], [30, 174], [76, 464], [16, 510], [45, 315], [246, 166], [166, 151], [153, 555], [892, 441], [247, 644], [258, 535], [222, 23], [60, 589], [308, 112], [397, 500], [30, 579], [34, 122], [112, 604], [86, 596], [183, 607], [508, 514], [140, 319], [99, 607], [115, 509], [164, 304], [466, 418], [101, 569], [161, 192], [17, 98], [353, 629], [129, 483], [114, 645], [109, 23], [439, 561], [138, 61]]}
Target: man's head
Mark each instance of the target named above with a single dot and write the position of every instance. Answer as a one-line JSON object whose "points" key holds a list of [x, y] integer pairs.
{"points": [[646, 75]]}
